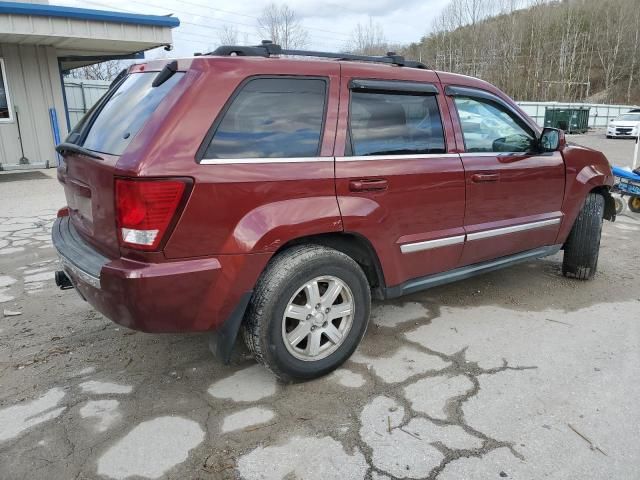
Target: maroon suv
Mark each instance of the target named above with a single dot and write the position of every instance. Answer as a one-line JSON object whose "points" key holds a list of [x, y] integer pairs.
{"points": [[240, 190]]}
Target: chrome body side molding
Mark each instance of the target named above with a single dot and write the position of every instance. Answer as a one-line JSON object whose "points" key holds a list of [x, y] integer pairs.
{"points": [[494, 232], [469, 237], [429, 244]]}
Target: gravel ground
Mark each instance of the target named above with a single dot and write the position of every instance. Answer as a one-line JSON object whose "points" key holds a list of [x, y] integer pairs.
{"points": [[518, 374]]}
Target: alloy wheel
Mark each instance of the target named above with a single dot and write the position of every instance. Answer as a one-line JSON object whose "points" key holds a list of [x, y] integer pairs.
{"points": [[318, 318]]}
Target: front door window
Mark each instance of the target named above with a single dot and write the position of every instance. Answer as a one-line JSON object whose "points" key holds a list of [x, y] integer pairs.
{"points": [[488, 128]]}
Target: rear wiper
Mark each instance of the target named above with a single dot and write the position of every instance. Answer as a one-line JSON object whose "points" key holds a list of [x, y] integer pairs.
{"points": [[165, 74], [66, 147]]}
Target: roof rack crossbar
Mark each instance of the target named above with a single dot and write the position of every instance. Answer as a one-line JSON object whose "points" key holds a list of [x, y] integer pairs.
{"points": [[269, 48]]}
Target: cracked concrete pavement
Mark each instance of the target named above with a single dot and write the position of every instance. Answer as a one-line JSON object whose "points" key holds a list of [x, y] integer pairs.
{"points": [[518, 374]]}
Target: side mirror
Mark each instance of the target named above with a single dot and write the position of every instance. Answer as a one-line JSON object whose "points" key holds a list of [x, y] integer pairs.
{"points": [[552, 139]]}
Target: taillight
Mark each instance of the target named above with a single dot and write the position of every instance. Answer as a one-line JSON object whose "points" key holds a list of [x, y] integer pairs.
{"points": [[145, 209]]}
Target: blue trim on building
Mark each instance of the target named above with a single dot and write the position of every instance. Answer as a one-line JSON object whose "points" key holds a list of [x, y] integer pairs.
{"points": [[14, 8]]}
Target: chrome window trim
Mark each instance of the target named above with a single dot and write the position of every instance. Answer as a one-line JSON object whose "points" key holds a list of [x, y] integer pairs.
{"points": [[248, 161], [495, 154], [365, 158], [494, 232], [430, 244]]}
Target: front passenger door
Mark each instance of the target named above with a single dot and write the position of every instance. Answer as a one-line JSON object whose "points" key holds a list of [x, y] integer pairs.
{"points": [[514, 192]]}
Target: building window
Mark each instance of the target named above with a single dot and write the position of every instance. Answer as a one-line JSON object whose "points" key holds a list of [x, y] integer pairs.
{"points": [[5, 104]]}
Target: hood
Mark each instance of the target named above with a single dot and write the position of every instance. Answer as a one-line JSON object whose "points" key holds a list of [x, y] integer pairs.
{"points": [[623, 123]]}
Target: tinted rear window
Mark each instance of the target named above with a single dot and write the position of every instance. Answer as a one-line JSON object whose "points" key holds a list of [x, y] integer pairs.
{"points": [[124, 113], [272, 117]]}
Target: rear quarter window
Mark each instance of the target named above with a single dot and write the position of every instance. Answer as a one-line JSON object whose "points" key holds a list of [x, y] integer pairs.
{"points": [[272, 118], [123, 114]]}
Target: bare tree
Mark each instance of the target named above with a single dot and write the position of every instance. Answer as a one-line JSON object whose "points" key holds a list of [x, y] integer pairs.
{"points": [[634, 55], [368, 39], [228, 35], [280, 24], [570, 50], [99, 71], [610, 33]]}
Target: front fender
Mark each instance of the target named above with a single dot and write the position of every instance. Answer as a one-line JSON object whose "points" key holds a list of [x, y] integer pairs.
{"points": [[269, 226], [586, 170], [592, 176]]}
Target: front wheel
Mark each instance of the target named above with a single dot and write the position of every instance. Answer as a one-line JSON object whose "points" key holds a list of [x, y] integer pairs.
{"points": [[583, 245], [308, 313]]}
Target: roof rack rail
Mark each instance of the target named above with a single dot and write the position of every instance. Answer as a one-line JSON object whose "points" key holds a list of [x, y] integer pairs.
{"points": [[268, 48]]}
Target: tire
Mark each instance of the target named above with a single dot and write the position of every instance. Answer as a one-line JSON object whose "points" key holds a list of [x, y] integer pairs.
{"points": [[634, 204], [583, 245], [619, 203], [281, 287]]}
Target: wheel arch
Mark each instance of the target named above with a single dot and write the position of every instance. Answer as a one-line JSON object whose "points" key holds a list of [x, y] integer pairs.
{"points": [[355, 246], [609, 203]]}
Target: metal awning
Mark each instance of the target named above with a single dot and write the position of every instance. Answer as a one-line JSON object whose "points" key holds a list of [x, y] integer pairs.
{"points": [[80, 32]]}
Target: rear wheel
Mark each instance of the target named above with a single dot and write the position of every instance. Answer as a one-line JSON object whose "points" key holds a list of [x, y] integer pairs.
{"points": [[583, 245], [308, 313], [634, 204]]}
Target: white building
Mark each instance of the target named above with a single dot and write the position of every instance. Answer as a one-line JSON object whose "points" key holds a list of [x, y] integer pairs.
{"points": [[38, 42]]}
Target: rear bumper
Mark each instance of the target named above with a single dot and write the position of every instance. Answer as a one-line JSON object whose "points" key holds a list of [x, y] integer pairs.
{"points": [[180, 296], [77, 258]]}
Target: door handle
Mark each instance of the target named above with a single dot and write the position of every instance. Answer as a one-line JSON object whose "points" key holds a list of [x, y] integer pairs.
{"points": [[368, 185], [485, 177]]}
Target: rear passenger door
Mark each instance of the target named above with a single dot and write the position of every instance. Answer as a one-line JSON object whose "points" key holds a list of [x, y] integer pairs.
{"points": [[396, 184], [514, 192]]}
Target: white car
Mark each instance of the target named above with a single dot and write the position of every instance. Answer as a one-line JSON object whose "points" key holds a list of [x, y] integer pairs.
{"points": [[626, 125]]}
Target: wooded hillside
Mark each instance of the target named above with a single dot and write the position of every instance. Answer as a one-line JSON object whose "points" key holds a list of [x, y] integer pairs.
{"points": [[573, 50]]}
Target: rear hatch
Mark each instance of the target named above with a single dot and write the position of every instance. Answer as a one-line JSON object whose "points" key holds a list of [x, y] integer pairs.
{"points": [[93, 148]]}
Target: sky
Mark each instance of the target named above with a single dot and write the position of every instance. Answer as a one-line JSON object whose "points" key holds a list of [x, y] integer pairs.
{"points": [[329, 22]]}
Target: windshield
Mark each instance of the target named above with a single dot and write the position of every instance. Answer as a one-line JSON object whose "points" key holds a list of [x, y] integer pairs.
{"points": [[113, 123], [629, 117]]}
